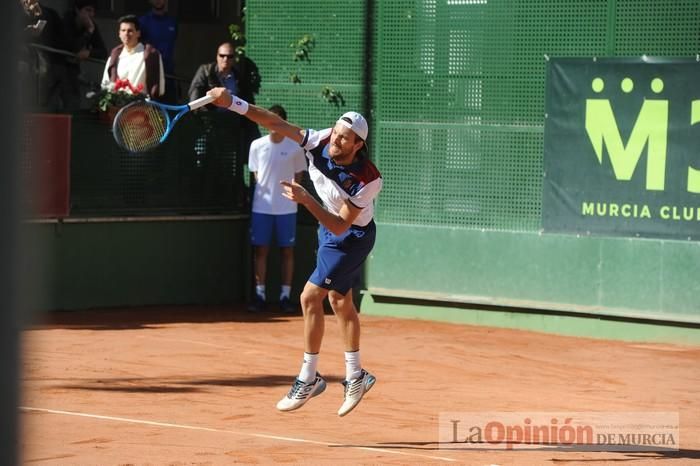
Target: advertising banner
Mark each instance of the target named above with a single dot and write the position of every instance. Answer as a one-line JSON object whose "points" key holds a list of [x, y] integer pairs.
{"points": [[622, 147]]}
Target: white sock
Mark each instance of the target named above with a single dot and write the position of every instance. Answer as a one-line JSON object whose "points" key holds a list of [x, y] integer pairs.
{"points": [[260, 291], [286, 290], [353, 367], [307, 374]]}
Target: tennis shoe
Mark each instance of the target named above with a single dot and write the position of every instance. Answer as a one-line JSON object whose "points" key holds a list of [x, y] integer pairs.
{"points": [[258, 304], [287, 307], [301, 392], [355, 389]]}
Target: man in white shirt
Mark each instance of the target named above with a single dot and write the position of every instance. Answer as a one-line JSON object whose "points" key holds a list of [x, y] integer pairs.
{"points": [[141, 65], [274, 158]]}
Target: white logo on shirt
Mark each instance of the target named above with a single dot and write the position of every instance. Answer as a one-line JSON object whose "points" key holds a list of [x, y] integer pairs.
{"points": [[327, 281]]}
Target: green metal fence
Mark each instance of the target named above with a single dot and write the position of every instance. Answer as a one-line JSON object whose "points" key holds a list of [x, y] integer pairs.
{"points": [[459, 97], [198, 170], [456, 102], [337, 60]]}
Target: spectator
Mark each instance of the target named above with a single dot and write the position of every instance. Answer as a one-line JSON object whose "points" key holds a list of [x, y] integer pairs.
{"points": [[159, 29], [141, 65], [239, 75], [217, 74], [42, 26], [83, 38], [274, 158]]}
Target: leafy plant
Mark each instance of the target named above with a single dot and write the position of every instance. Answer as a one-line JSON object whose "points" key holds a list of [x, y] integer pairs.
{"points": [[246, 66], [303, 48], [333, 96], [238, 39], [302, 53]]}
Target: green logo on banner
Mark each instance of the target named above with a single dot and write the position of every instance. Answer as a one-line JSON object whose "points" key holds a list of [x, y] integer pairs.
{"points": [[693, 174], [621, 147], [650, 130]]}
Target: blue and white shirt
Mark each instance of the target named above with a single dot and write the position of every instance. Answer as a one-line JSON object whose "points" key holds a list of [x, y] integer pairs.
{"points": [[359, 182]]}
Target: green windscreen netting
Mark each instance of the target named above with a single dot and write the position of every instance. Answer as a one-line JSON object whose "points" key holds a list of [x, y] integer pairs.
{"points": [[330, 39], [457, 91], [197, 170]]}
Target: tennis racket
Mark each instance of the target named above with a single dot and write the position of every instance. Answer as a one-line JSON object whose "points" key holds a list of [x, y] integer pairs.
{"points": [[144, 125]]}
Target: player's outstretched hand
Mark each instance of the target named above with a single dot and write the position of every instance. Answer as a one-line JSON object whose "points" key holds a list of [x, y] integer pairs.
{"points": [[294, 192], [222, 97]]}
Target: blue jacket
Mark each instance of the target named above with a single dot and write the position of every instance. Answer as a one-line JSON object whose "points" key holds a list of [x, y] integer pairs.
{"points": [[160, 31]]}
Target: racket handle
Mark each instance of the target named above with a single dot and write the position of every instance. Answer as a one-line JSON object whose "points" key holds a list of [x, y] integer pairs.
{"points": [[201, 102]]}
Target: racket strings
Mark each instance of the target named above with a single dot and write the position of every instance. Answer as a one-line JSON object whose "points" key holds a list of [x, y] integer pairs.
{"points": [[140, 127]]}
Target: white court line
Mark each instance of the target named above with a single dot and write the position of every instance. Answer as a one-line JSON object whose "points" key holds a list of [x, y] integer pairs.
{"points": [[194, 342], [244, 434]]}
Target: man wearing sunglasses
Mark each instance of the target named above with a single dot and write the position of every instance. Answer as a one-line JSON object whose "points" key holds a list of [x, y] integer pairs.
{"points": [[225, 136], [239, 75], [229, 71]]}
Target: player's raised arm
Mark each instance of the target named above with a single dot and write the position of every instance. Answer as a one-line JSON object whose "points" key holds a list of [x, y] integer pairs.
{"points": [[259, 115]]}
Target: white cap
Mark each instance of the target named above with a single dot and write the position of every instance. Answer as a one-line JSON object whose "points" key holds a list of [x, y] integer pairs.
{"points": [[357, 123]]}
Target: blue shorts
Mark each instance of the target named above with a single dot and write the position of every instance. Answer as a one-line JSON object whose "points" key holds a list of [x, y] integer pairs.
{"points": [[262, 226], [340, 258]]}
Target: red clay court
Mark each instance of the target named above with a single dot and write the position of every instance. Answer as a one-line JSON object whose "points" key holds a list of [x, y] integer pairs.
{"points": [[198, 386]]}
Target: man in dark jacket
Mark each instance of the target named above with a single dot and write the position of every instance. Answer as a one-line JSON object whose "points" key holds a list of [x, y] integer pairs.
{"points": [[239, 75], [230, 70], [42, 26], [83, 38]]}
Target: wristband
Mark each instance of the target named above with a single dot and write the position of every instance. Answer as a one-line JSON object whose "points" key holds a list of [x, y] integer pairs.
{"points": [[239, 106]]}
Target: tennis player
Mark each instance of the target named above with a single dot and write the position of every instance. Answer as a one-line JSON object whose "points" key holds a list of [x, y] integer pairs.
{"points": [[347, 182]]}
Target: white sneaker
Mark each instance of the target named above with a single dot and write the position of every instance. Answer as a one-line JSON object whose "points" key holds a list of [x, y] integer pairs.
{"points": [[355, 389], [301, 392]]}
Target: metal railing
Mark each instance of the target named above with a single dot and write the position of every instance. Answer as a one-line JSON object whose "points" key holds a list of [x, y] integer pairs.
{"points": [[199, 170]]}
